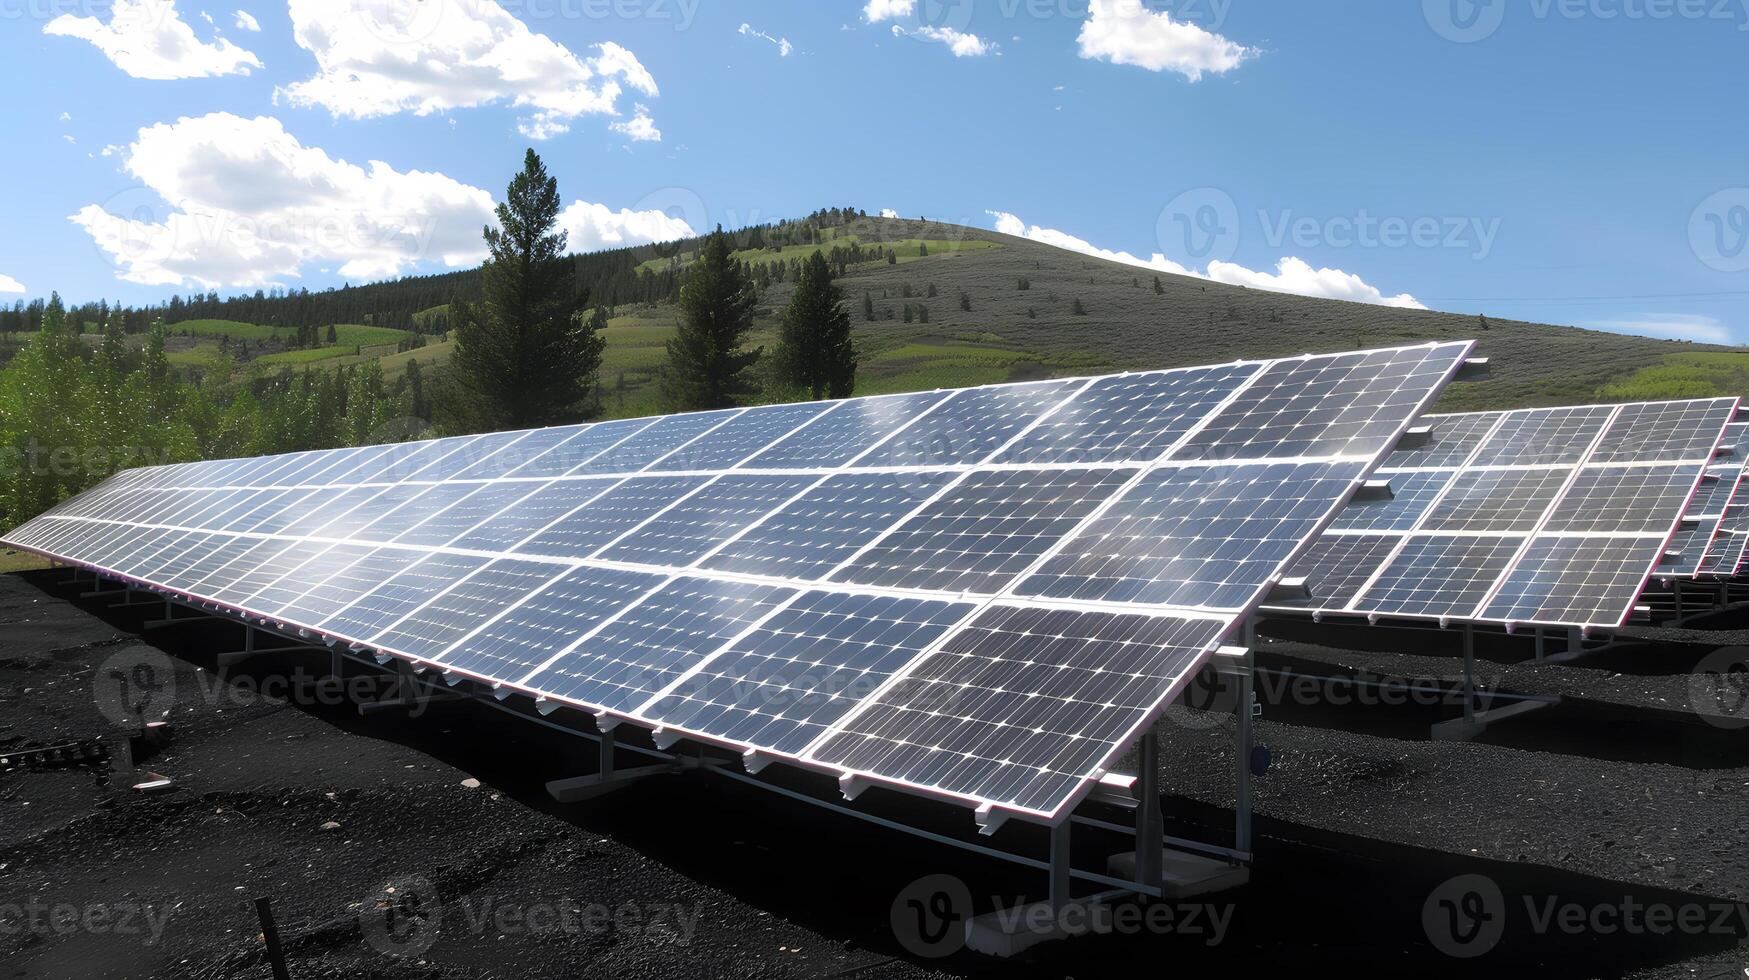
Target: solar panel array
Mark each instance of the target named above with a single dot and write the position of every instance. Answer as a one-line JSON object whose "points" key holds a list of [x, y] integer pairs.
{"points": [[983, 595], [1720, 507], [1549, 516]]}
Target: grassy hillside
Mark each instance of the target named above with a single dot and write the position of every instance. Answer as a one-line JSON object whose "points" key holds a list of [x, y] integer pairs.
{"points": [[985, 307]]}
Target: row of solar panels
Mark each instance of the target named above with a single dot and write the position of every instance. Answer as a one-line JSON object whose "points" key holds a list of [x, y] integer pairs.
{"points": [[1554, 516], [983, 595]]}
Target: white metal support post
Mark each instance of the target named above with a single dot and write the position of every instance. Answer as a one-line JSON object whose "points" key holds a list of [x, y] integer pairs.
{"points": [[1242, 708]]}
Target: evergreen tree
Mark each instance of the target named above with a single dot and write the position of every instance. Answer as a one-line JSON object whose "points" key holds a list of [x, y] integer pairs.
{"points": [[1158, 286], [523, 357], [815, 351], [867, 306], [707, 365], [333, 335]]}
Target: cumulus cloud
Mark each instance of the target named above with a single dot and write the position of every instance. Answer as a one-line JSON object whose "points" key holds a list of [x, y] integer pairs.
{"points": [[1126, 32], [10, 285], [148, 39], [1291, 275], [246, 21], [592, 227], [783, 45], [876, 11], [244, 203], [961, 44], [1672, 326], [381, 57], [641, 128], [889, 213]]}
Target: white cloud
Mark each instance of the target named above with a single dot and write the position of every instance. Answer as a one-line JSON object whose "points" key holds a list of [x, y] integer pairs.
{"points": [[148, 39], [1672, 326], [876, 11], [962, 45], [249, 205], [10, 285], [592, 227], [381, 57], [889, 213], [246, 21], [1291, 275], [1126, 32], [783, 46], [65, 117], [641, 128]]}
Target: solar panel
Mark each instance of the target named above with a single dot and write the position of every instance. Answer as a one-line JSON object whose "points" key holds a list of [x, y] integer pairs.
{"points": [[981, 595], [1515, 517]]}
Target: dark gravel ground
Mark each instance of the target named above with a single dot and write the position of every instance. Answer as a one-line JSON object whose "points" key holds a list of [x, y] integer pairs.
{"points": [[1364, 827]]}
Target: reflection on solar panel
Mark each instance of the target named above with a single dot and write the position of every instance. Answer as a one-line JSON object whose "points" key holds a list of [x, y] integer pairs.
{"points": [[1550, 516], [1720, 511], [983, 595]]}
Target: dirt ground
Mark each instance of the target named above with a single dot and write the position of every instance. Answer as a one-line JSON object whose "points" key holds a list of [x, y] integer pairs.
{"points": [[1601, 837]]}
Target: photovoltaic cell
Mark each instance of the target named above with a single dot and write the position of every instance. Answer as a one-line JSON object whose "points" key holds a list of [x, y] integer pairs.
{"points": [[584, 444], [739, 438], [1665, 431], [784, 683], [335, 580], [509, 527], [1128, 418], [1440, 575], [417, 584], [849, 430], [828, 524], [986, 530], [1497, 500], [519, 453], [554, 618], [587, 529], [1024, 705], [650, 645], [1349, 404], [1543, 437], [1336, 566], [1576, 581], [658, 439], [1195, 537], [1637, 499], [971, 425], [1411, 495], [684, 532], [447, 618], [480, 504]]}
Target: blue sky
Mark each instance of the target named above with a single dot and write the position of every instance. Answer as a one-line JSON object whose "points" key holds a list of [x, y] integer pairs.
{"points": [[1573, 161]]}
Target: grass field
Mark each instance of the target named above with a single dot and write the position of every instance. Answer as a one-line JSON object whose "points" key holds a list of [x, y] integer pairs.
{"points": [[346, 334], [20, 561], [1686, 375]]}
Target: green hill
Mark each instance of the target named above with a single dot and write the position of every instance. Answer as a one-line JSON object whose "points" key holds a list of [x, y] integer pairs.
{"points": [[962, 306]]}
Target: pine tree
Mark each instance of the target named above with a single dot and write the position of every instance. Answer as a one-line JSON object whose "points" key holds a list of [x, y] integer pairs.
{"points": [[966, 302], [1158, 286], [707, 365], [333, 334], [815, 350], [1077, 308], [867, 306], [523, 357]]}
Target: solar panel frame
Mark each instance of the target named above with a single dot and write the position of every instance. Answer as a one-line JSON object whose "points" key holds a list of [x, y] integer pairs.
{"points": [[319, 563]]}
